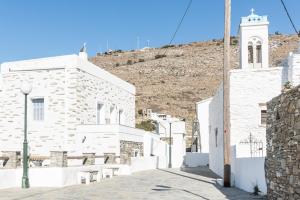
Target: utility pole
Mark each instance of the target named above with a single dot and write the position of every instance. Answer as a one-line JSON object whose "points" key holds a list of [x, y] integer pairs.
{"points": [[226, 92]]}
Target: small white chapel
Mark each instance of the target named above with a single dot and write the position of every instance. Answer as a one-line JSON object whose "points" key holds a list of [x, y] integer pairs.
{"points": [[251, 86]]}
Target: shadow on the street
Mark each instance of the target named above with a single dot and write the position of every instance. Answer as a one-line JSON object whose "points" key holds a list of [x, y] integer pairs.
{"points": [[202, 173], [163, 188], [186, 176]]}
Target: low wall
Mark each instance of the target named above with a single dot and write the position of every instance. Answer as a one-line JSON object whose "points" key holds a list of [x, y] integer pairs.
{"points": [[143, 163], [194, 159], [248, 173], [46, 176]]}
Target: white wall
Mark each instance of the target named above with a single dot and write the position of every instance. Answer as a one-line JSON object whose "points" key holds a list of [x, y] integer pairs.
{"points": [[144, 163], [247, 172], [294, 68], [216, 159], [203, 119], [98, 139], [43, 177], [178, 150], [194, 159], [249, 89]]}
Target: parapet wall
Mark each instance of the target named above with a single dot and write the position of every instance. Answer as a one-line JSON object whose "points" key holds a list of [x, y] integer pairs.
{"points": [[283, 146]]}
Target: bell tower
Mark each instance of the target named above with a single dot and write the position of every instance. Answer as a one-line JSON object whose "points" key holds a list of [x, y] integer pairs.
{"points": [[254, 42]]}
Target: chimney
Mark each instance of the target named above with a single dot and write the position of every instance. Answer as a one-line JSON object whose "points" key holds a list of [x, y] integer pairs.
{"points": [[83, 53]]}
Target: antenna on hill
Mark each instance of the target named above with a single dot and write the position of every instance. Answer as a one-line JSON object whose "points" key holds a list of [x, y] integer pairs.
{"points": [[148, 43], [107, 47]]}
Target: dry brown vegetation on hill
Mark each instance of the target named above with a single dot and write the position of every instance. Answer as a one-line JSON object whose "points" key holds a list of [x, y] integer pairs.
{"points": [[189, 72]]}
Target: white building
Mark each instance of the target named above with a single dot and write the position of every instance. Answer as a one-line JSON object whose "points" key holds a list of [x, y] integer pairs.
{"points": [[171, 126], [251, 86], [74, 106], [202, 110]]}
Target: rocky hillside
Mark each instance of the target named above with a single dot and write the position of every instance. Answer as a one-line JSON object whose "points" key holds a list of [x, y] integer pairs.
{"points": [[187, 74]]}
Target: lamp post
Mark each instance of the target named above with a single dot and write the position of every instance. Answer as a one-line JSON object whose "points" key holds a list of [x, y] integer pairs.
{"points": [[25, 89], [170, 146]]}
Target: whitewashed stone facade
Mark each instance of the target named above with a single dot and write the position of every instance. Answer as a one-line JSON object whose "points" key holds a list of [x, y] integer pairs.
{"points": [[71, 87], [251, 86]]}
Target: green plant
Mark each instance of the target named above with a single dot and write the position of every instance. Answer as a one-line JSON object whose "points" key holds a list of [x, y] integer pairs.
{"points": [[141, 60], [117, 64], [256, 190], [140, 111], [287, 85], [146, 125]]}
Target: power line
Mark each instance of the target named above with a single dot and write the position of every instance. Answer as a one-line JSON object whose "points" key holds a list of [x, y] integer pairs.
{"points": [[179, 25], [288, 14]]}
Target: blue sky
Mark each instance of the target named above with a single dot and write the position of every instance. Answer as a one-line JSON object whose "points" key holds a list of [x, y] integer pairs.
{"points": [[35, 28]]}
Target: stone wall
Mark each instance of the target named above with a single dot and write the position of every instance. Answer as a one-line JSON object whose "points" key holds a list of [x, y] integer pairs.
{"points": [[283, 146], [127, 149]]}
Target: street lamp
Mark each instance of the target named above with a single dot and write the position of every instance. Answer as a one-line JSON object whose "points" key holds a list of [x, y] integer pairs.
{"points": [[170, 146], [25, 89]]}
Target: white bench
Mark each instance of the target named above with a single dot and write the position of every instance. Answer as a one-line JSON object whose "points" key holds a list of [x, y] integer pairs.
{"points": [[87, 175]]}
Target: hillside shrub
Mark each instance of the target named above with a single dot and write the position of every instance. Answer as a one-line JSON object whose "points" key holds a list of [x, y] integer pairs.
{"points": [[158, 56], [167, 46], [140, 111], [146, 125], [277, 33], [233, 40], [129, 62]]}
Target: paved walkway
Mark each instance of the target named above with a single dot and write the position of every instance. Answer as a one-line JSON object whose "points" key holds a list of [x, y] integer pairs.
{"points": [[154, 184]]}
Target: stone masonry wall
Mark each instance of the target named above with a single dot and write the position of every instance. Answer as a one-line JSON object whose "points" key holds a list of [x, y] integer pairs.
{"points": [[283, 146], [127, 150], [70, 99], [84, 90], [42, 135]]}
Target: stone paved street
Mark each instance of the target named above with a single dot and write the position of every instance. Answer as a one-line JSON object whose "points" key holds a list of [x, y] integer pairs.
{"points": [[195, 183]]}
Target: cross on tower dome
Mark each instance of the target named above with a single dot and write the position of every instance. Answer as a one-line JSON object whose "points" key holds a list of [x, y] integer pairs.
{"points": [[252, 11]]}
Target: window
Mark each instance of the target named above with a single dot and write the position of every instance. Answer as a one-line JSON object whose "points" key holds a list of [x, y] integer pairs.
{"points": [[38, 109], [136, 153], [121, 117], [100, 114], [250, 53], [258, 53], [113, 115], [216, 136], [263, 117], [263, 113]]}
